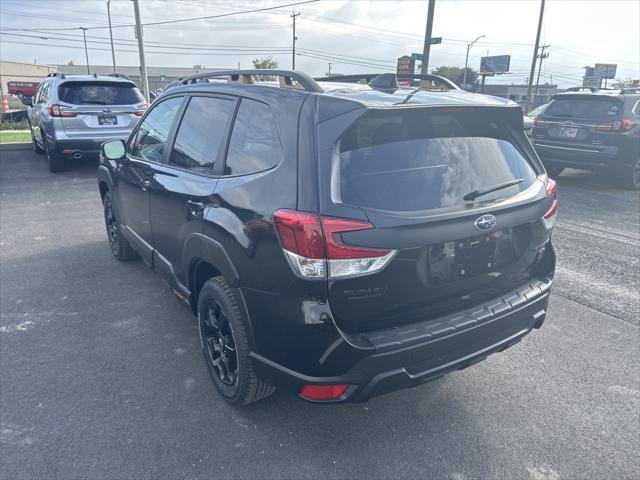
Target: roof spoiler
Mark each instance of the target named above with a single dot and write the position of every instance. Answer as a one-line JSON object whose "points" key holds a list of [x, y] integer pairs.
{"points": [[118, 75], [286, 78], [56, 74]]}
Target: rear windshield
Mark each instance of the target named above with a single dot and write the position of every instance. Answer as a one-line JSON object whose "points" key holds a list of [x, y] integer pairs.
{"points": [[99, 93], [584, 108], [414, 160]]}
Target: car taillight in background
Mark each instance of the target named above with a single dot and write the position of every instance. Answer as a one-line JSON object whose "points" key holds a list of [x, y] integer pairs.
{"points": [[549, 218], [538, 122], [60, 111], [143, 109], [314, 247], [616, 126]]}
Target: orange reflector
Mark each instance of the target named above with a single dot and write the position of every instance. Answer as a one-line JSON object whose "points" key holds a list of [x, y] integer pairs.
{"points": [[323, 392]]}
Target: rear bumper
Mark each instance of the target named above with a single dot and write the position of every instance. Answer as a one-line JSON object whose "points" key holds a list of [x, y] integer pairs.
{"points": [[81, 147], [408, 356], [576, 156]]}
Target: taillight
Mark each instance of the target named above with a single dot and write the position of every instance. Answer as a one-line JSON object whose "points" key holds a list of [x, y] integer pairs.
{"points": [[616, 126], [549, 218], [537, 122], [143, 109], [323, 392], [60, 111], [314, 247]]}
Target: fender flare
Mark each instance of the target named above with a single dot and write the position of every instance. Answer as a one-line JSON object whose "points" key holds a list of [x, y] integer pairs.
{"points": [[199, 247]]}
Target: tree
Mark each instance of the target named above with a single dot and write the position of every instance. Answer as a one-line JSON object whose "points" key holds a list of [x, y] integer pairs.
{"points": [[265, 63], [620, 83], [456, 75]]}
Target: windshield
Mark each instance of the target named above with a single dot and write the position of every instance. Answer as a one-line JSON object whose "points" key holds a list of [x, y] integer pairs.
{"points": [[596, 108], [99, 93], [413, 161]]}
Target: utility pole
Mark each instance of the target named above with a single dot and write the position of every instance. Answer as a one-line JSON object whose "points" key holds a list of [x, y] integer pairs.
{"points": [[427, 39], [113, 53], [542, 56], [86, 52], [329, 69], [143, 64], [535, 56], [466, 62], [293, 52]]}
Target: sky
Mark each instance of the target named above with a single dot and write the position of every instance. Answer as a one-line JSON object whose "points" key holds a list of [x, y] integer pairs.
{"points": [[354, 36]]}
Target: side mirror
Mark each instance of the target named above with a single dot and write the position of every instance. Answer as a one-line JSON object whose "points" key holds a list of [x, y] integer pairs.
{"points": [[27, 100], [113, 150]]}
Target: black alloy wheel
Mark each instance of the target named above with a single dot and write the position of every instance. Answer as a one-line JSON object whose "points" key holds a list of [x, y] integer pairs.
{"points": [[220, 344]]}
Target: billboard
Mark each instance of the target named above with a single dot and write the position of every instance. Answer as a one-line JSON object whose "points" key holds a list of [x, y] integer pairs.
{"points": [[406, 66], [495, 64], [605, 70]]}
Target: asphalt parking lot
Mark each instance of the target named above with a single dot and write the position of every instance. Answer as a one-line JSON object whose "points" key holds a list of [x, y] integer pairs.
{"points": [[101, 375]]}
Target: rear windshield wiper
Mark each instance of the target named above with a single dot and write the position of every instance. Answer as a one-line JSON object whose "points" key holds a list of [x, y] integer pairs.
{"points": [[483, 191]]}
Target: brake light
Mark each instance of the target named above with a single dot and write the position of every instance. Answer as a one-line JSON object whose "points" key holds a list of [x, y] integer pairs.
{"points": [[537, 122], [143, 109], [60, 111], [616, 126], [314, 247], [549, 218], [323, 392]]}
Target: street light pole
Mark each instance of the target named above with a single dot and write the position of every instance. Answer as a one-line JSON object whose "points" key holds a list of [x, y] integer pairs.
{"points": [[143, 64], [466, 62], [86, 52], [535, 57], [293, 51], [113, 53], [427, 39]]}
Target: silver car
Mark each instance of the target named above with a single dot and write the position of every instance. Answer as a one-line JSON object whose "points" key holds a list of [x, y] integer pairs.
{"points": [[71, 116]]}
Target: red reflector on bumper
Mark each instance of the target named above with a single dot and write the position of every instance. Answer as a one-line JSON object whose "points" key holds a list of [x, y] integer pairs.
{"points": [[323, 392], [67, 150]]}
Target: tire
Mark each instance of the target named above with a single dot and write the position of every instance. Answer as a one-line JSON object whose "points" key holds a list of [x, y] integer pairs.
{"points": [[553, 171], [225, 345], [36, 148], [54, 160], [120, 246], [629, 176]]}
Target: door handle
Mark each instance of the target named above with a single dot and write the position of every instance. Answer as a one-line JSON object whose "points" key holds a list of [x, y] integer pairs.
{"points": [[145, 184], [195, 207]]}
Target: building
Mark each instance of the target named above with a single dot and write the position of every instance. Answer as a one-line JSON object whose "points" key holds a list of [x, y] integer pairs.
{"points": [[22, 72], [518, 93], [159, 77]]}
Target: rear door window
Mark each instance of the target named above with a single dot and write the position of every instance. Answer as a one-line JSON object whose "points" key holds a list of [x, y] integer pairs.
{"points": [[201, 133], [255, 145], [99, 93], [416, 160], [596, 109]]}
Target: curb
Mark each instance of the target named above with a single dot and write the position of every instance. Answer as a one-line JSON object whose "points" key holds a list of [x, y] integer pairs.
{"points": [[7, 147]]}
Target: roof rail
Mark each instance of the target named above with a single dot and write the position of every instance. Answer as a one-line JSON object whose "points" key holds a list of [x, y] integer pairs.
{"points": [[628, 90], [388, 81], [56, 74], [118, 75], [582, 89], [287, 77]]}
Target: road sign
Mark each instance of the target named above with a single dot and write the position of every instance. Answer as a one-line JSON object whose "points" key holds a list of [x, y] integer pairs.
{"points": [[416, 56], [605, 70], [592, 81], [406, 65], [495, 64]]}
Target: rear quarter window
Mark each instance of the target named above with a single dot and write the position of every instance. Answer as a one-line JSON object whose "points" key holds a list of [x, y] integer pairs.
{"points": [[416, 160], [99, 93]]}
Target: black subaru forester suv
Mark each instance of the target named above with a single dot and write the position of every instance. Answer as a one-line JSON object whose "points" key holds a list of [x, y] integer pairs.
{"points": [[337, 241]]}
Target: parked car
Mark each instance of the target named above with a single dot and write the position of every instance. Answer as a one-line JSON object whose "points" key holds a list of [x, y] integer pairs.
{"points": [[335, 240], [70, 116], [592, 130], [529, 117]]}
